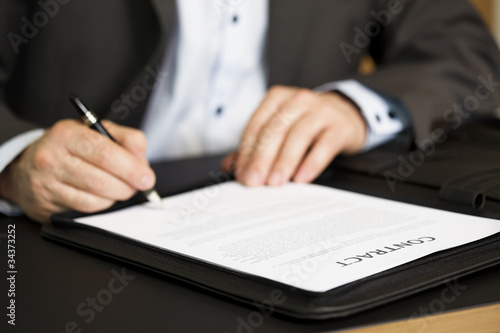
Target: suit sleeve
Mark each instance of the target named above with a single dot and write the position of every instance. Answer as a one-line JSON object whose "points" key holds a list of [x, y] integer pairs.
{"points": [[11, 12], [438, 59]]}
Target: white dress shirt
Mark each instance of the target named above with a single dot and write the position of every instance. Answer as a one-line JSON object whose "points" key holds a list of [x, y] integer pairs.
{"points": [[215, 79]]}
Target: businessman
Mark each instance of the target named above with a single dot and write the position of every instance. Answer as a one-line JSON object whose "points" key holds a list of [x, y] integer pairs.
{"points": [[275, 80]]}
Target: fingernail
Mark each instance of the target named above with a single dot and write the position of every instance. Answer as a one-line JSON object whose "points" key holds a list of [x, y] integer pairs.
{"points": [[253, 178], [147, 181], [275, 179]]}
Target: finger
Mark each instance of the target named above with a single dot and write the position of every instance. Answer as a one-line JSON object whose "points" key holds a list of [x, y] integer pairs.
{"points": [[112, 158], [74, 199], [129, 138], [228, 163], [300, 138], [274, 99], [272, 136], [323, 151], [88, 178]]}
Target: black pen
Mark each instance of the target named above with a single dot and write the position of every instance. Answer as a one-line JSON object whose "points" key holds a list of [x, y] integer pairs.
{"points": [[93, 122]]}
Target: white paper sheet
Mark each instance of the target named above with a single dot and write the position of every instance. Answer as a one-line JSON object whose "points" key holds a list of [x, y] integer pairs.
{"points": [[306, 236]]}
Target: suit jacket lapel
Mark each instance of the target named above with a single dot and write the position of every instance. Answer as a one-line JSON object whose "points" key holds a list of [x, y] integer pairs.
{"points": [[132, 113], [288, 28], [166, 12]]}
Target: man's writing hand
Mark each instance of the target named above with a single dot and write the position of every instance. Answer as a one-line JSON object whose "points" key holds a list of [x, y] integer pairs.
{"points": [[72, 167]]}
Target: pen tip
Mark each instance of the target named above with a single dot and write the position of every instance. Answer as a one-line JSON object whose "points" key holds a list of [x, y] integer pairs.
{"points": [[155, 199]]}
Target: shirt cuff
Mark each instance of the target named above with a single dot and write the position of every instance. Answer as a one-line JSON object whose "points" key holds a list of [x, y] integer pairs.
{"points": [[13, 147], [381, 124], [9, 209], [8, 152]]}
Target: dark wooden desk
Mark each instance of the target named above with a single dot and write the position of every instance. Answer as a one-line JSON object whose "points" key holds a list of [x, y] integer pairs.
{"points": [[478, 319], [56, 286]]}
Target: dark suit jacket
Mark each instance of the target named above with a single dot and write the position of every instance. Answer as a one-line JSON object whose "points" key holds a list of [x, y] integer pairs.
{"points": [[429, 55]]}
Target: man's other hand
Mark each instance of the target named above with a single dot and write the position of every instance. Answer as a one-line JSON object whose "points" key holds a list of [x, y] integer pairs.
{"points": [[295, 134]]}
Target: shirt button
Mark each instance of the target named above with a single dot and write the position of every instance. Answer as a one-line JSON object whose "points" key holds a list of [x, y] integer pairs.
{"points": [[235, 19], [219, 110]]}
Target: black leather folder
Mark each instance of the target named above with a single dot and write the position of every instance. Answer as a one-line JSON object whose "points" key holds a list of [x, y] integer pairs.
{"points": [[462, 173]]}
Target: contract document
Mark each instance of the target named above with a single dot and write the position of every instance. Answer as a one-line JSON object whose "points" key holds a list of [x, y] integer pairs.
{"points": [[306, 236]]}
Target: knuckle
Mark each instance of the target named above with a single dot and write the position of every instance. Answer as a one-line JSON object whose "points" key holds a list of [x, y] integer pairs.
{"points": [[98, 184], [303, 95], [62, 128], [36, 187], [278, 122], [252, 131], [42, 159], [277, 89], [103, 155], [269, 135], [84, 148], [329, 111], [328, 115]]}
